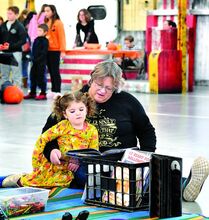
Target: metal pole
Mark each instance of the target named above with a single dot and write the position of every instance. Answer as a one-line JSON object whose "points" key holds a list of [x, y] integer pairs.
{"points": [[182, 40]]}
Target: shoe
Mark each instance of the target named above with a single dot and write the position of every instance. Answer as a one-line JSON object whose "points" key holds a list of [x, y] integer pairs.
{"points": [[50, 95], [30, 96], [41, 97], [57, 94], [53, 95], [83, 215], [198, 174], [67, 216], [11, 180]]}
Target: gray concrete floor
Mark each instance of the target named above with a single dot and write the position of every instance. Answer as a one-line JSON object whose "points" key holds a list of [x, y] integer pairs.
{"points": [[181, 122]]}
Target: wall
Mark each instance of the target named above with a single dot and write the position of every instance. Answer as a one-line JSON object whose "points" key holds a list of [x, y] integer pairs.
{"points": [[201, 9], [134, 14], [6, 3], [133, 21]]}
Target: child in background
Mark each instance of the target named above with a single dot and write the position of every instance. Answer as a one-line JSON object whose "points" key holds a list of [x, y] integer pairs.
{"points": [[39, 59], [129, 45], [72, 133], [126, 62], [13, 36]]}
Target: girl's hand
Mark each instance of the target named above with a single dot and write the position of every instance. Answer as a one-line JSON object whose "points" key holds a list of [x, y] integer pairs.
{"points": [[73, 164], [73, 167], [55, 156]]}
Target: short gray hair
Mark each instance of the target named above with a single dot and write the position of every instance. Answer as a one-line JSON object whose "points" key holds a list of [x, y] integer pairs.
{"points": [[108, 68]]}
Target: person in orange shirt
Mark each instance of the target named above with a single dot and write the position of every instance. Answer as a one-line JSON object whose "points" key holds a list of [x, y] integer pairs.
{"points": [[57, 47]]}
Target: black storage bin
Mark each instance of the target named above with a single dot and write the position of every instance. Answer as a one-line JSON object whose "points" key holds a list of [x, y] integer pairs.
{"points": [[116, 184], [165, 186]]}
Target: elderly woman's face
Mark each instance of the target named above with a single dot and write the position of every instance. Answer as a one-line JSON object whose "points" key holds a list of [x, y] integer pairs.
{"points": [[101, 89]]}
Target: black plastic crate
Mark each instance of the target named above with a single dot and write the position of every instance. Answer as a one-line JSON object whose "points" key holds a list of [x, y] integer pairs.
{"points": [[116, 184]]}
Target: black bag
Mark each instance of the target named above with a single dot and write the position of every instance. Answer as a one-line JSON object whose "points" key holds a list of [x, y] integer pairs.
{"points": [[165, 186]]}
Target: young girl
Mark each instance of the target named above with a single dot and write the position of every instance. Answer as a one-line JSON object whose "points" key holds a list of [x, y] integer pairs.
{"points": [[57, 47], [72, 133], [86, 24]]}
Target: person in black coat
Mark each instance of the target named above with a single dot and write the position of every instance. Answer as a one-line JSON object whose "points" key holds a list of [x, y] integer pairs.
{"points": [[39, 59], [85, 24]]}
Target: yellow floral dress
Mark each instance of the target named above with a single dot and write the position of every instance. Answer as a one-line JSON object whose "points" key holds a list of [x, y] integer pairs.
{"points": [[45, 174]]}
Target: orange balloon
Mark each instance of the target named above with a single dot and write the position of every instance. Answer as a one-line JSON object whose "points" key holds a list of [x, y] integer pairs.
{"points": [[13, 95]]}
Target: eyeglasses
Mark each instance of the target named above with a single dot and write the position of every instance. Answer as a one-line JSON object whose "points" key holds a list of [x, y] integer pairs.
{"points": [[106, 88]]}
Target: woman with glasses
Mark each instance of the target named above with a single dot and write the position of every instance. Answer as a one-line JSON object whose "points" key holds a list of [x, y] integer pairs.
{"points": [[122, 123], [120, 119]]}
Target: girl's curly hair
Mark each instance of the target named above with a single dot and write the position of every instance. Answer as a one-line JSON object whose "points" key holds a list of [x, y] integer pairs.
{"points": [[62, 102]]}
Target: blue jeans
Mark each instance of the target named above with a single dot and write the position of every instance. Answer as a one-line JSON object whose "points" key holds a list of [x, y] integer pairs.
{"points": [[80, 175]]}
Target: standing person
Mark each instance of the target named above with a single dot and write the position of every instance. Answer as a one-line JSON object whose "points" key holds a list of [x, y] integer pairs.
{"points": [[72, 133], [34, 22], [13, 36], [85, 24], [1, 20], [57, 47], [23, 16], [25, 49], [39, 58]]}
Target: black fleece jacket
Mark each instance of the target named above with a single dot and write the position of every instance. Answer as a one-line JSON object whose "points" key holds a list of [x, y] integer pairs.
{"points": [[39, 50], [15, 36]]}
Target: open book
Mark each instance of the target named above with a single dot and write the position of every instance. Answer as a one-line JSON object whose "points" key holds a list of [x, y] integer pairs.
{"points": [[96, 153]]}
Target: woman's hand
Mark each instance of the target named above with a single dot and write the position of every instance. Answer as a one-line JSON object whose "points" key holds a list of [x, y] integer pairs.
{"points": [[55, 156], [62, 55], [85, 44]]}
